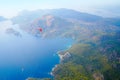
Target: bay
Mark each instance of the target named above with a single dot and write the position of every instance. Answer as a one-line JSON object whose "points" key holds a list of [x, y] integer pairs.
{"points": [[28, 56]]}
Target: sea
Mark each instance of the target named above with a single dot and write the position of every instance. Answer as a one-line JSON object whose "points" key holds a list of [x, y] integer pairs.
{"points": [[27, 56]]}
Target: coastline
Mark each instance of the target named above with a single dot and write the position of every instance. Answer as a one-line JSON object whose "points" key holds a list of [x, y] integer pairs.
{"points": [[58, 54], [51, 73], [62, 54]]}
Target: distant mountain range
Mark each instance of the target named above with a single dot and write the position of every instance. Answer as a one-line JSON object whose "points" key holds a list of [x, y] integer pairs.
{"points": [[64, 13], [62, 21]]}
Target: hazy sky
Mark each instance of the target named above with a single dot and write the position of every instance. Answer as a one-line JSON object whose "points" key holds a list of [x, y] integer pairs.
{"points": [[9, 8]]}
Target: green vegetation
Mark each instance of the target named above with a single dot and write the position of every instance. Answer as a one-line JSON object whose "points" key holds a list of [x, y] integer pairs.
{"points": [[100, 61], [70, 71], [38, 79], [95, 54]]}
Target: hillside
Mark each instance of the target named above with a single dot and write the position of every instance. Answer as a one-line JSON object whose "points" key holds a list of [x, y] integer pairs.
{"points": [[95, 54]]}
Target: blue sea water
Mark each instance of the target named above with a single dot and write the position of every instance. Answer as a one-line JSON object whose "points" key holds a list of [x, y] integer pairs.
{"points": [[29, 56]]}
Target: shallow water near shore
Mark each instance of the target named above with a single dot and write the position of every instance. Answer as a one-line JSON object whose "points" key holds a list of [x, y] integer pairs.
{"points": [[28, 56]]}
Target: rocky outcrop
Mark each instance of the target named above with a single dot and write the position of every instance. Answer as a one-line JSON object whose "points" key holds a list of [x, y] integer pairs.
{"points": [[98, 76], [14, 32], [64, 56]]}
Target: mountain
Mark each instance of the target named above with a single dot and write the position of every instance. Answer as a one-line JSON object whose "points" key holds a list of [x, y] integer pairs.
{"points": [[95, 54], [113, 21], [14, 32], [64, 22], [64, 13]]}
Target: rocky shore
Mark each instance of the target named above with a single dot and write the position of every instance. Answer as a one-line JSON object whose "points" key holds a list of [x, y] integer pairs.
{"points": [[62, 55]]}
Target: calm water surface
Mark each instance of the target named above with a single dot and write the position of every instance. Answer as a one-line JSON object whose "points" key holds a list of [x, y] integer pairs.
{"points": [[28, 56]]}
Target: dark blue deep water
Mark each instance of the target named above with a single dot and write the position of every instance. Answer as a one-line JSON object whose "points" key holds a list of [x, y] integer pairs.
{"points": [[28, 56]]}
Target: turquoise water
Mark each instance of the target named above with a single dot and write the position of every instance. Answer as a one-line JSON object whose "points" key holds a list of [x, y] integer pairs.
{"points": [[28, 56]]}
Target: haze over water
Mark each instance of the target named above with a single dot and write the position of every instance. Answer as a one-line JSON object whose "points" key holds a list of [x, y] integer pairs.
{"points": [[27, 56]]}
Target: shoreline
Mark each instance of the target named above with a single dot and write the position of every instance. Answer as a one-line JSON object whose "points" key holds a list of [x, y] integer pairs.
{"points": [[59, 56], [51, 73], [62, 55]]}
